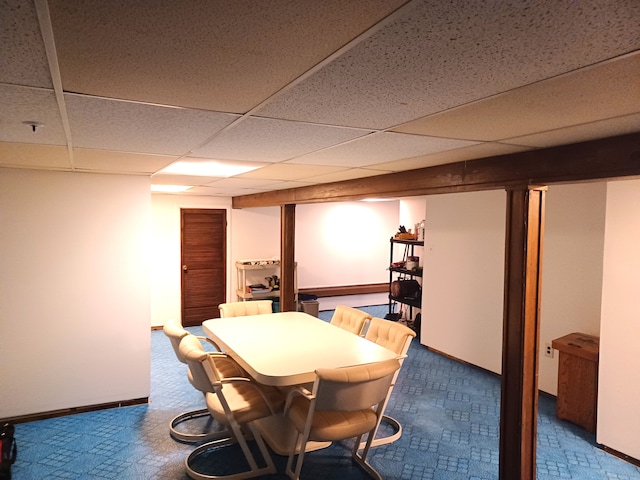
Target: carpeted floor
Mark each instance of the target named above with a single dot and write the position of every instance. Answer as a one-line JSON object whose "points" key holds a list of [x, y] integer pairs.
{"points": [[449, 411]]}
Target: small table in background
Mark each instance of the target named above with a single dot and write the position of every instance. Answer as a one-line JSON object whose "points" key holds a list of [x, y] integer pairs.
{"points": [[578, 379]]}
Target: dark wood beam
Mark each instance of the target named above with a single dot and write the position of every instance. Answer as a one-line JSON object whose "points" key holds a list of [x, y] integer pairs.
{"points": [[287, 258], [614, 157], [521, 329]]}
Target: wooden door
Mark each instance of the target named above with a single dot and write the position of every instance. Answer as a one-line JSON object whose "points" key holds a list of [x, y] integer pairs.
{"points": [[204, 271]]}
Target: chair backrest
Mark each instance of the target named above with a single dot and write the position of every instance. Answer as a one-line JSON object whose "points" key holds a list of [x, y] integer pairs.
{"points": [[191, 350], [349, 318], [243, 309], [392, 335], [173, 329], [354, 388]]}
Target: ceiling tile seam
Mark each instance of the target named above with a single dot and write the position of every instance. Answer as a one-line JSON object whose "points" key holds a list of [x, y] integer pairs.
{"points": [[26, 87], [507, 141], [337, 53], [515, 89], [46, 29], [140, 102], [330, 58]]}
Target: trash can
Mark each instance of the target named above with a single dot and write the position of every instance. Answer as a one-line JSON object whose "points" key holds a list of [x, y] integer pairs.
{"points": [[276, 306], [309, 304]]}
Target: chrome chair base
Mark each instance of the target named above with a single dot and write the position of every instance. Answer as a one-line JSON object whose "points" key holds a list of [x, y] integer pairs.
{"points": [[193, 437]]}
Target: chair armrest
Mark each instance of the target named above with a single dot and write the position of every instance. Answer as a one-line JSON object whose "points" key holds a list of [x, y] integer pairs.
{"points": [[297, 390], [210, 342], [254, 385]]}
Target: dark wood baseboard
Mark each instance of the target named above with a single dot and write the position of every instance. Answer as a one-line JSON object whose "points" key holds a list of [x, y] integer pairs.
{"points": [[620, 455], [72, 411], [342, 290]]}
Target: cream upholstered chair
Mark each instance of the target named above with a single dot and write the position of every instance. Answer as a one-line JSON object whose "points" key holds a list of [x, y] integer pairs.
{"points": [[242, 309], [397, 338], [174, 330], [344, 403], [350, 319], [234, 402]]}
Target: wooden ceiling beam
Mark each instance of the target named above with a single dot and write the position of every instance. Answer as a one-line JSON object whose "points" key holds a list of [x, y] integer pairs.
{"points": [[608, 158]]}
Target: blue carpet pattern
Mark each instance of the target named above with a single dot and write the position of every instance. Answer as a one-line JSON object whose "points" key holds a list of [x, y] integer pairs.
{"points": [[449, 410]]}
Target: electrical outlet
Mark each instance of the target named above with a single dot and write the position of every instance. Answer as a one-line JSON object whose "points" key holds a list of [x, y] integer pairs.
{"points": [[548, 350]]}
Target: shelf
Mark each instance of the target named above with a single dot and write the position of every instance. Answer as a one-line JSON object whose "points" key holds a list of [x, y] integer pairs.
{"points": [[249, 296], [419, 243], [413, 273], [266, 264], [250, 272], [400, 272], [412, 302]]}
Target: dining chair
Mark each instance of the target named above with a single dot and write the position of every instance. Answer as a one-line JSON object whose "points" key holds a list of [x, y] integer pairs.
{"points": [[343, 403], [174, 330], [242, 309], [350, 319], [235, 402], [397, 338]]}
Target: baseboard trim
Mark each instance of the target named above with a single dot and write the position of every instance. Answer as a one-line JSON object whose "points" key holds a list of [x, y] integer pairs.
{"points": [[620, 455], [343, 290], [72, 411]]}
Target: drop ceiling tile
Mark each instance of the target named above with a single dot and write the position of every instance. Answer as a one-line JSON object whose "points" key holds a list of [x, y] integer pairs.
{"points": [[380, 148], [268, 140], [23, 60], [104, 124], [594, 93], [29, 155], [287, 171], [350, 174], [19, 104], [225, 56], [235, 182], [219, 192], [610, 127], [118, 162], [451, 156], [440, 55]]}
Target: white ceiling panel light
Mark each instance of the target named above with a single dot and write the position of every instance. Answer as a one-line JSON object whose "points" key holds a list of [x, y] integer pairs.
{"points": [[170, 188], [209, 168]]}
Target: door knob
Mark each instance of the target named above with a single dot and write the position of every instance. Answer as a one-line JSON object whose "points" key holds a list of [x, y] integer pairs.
{"points": [[184, 267]]}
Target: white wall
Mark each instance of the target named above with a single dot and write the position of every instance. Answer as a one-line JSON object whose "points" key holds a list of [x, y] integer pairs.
{"points": [[571, 269], [462, 296], [74, 290], [345, 243], [619, 381]]}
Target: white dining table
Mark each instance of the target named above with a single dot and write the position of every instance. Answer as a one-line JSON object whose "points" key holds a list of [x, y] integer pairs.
{"points": [[285, 349]]}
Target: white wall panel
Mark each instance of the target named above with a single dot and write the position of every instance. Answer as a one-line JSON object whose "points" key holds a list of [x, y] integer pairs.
{"points": [[74, 290], [462, 297], [619, 382]]}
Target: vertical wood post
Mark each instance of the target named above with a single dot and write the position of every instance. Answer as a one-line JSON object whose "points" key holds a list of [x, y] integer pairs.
{"points": [[287, 257], [521, 329]]}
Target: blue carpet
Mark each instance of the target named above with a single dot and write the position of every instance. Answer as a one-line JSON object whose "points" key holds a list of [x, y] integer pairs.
{"points": [[449, 410]]}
